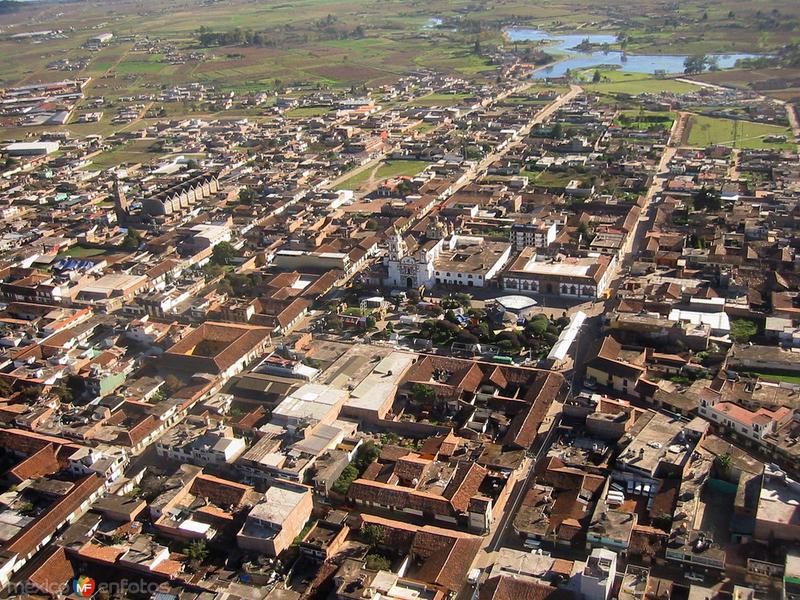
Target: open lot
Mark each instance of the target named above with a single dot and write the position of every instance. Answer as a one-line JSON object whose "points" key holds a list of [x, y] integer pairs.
{"points": [[707, 131], [132, 152], [441, 100], [387, 169]]}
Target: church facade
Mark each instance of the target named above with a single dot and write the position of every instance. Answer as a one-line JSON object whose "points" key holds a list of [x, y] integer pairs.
{"points": [[443, 258]]}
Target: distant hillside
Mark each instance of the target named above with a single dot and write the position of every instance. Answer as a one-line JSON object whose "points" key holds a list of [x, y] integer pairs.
{"points": [[8, 6]]}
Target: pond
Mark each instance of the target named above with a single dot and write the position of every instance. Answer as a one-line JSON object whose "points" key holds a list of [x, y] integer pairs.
{"points": [[632, 63]]}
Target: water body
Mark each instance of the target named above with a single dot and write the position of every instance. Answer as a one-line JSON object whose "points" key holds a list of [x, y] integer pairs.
{"points": [[632, 63]]}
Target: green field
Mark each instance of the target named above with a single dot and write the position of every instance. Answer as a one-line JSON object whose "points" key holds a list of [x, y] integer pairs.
{"points": [[387, 169], [644, 120], [707, 131], [307, 111], [424, 127], [140, 66], [82, 252], [617, 82], [553, 179], [132, 152]]}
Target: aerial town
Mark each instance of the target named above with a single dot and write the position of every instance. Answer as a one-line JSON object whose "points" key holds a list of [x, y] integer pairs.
{"points": [[528, 336]]}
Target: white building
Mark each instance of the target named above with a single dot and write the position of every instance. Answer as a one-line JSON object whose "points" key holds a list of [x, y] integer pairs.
{"points": [[213, 448], [310, 405], [535, 234], [208, 235], [704, 311], [100, 39], [106, 461], [31, 148], [597, 577], [753, 425], [468, 261], [571, 277]]}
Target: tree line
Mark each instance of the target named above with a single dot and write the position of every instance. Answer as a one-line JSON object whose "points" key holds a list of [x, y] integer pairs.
{"points": [[235, 37], [248, 37]]}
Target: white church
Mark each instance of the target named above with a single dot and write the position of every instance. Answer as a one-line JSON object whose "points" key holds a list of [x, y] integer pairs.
{"points": [[442, 257]]}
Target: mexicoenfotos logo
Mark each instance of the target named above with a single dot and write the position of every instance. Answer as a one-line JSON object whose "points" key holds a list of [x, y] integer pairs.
{"points": [[83, 586]]}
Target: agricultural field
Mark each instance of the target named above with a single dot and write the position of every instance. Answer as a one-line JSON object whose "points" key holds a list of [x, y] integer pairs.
{"points": [[781, 84], [706, 131], [528, 97], [317, 44]]}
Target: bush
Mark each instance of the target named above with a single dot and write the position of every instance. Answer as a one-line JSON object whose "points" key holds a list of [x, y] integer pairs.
{"points": [[131, 241], [742, 330], [342, 484], [223, 253], [373, 534], [465, 337], [376, 562], [366, 455], [538, 327], [422, 392]]}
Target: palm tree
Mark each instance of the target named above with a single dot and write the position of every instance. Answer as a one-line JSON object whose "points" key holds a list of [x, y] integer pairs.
{"points": [[197, 551], [723, 462]]}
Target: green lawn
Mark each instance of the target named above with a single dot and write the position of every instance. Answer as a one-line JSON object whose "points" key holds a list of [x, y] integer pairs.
{"points": [[525, 100], [424, 127], [549, 178], [390, 168], [778, 378], [81, 252], [643, 120], [307, 111], [133, 152], [707, 131]]}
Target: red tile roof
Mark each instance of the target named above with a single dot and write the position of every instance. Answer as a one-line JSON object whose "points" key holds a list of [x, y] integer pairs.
{"points": [[505, 587], [34, 534]]}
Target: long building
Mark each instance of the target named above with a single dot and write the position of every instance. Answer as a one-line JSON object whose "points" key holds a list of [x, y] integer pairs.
{"points": [[570, 277]]}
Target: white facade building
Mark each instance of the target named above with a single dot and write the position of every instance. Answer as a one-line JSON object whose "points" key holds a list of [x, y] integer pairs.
{"points": [[597, 577], [536, 234], [468, 261]]}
